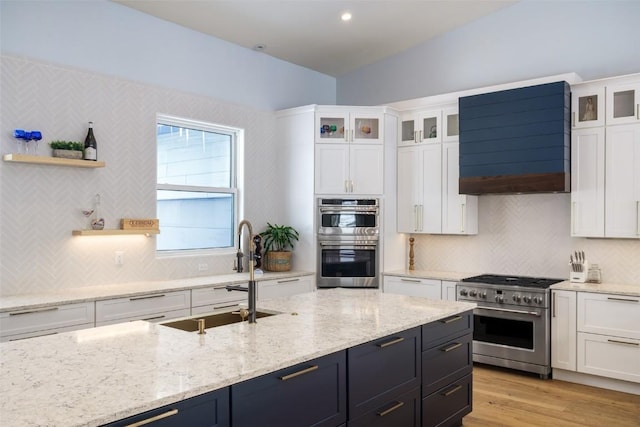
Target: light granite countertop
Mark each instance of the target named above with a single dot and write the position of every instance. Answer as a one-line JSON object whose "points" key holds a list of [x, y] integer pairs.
{"points": [[453, 276], [99, 375], [121, 290], [602, 288]]}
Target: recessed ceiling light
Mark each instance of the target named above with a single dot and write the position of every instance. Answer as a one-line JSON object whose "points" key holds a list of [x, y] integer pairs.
{"points": [[346, 16], [260, 47]]}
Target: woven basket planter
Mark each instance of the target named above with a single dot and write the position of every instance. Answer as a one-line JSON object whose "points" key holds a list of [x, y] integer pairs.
{"points": [[278, 261]]}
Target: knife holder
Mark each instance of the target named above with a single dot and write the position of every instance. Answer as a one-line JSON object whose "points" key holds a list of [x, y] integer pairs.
{"points": [[579, 276]]}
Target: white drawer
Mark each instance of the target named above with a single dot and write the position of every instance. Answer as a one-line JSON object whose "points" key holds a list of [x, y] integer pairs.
{"points": [[218, 308], [211, 296], [44, 318], [607, 356], [141, 307], [427, 288], [150, 317], [285, 287], [18, 337], [607, 314]]}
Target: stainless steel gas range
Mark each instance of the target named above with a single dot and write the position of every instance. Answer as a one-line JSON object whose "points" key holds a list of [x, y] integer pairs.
{"points": [[511, 322]]}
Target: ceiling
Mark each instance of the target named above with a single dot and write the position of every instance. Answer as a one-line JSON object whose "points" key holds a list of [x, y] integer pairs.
{"points": [[310, 33]]}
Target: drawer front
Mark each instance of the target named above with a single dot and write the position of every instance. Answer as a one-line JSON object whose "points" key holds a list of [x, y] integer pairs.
{"points": [[381, 369], [607, 356], [446, 362], [427, 288], [215, 296], [311, 393], [607, 314], [38, 319], [18, 337], [121, 309], [284, 287], [218, 308], [448, 404], [207, 410], [440, 331], [404, 410], [150, 317]]}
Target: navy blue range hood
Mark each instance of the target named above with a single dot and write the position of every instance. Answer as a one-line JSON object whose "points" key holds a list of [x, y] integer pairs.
{"points": [[516, 140]]}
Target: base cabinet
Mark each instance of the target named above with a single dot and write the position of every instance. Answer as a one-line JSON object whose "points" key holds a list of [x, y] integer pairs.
{"points": [[449, 405], [309, 394], [402, 411], [208, 410]]}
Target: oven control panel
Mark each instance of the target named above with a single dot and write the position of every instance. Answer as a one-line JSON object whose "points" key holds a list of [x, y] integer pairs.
{"points": [[496, 295]]}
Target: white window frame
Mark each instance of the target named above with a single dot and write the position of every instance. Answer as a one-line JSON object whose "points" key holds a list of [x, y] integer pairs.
{"points": [[163, 119]]}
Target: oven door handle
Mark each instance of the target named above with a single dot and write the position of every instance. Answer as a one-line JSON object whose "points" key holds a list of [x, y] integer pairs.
{"points": [[346, 245], [350, 211], [507, 310]]}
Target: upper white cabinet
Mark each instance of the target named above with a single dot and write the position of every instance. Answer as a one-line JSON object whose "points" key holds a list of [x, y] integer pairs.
{"points": [[344, 124], [349, 152], [428, 173], [420, 127], [605, 159], [587, 105], [623, 103]]}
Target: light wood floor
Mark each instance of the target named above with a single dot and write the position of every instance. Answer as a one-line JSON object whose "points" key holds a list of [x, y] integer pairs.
{"points": [[504, 397]]}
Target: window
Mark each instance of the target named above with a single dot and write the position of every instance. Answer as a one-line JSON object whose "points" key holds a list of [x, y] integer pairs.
{"points": [[196, 187]]}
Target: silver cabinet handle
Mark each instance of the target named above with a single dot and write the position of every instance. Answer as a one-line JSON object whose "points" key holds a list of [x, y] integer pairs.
{"points": [[397, 406], [154, 419], [415, 136], [148, 319], [451, 347], [146, 297], [391, 342], [622, 299], [288, 280], [451, 319], [297, 374], [573, 119], [451, 391], [553, 304], [410, 280], [37, 310], [421, 136], [624, 342]]}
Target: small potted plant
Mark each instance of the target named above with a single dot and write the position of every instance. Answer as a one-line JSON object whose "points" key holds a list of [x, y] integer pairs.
{"points": [[278, 242], [67, 149]]}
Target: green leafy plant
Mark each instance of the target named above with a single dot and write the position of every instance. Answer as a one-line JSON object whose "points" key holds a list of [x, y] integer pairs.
{"points": [[277, 238], [66, 145]]}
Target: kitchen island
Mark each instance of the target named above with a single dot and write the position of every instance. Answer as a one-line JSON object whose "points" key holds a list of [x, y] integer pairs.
{"points": [[99, 375]]}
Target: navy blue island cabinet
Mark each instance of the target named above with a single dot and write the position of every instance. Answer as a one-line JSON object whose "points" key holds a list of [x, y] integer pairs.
{"points": [[416, 377]]}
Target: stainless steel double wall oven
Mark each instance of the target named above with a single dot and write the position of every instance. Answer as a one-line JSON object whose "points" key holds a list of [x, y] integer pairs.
{"points": [[348, 237]]}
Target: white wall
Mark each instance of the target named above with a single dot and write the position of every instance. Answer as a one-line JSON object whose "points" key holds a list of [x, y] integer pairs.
{"points": [[109, 38], [530, 39]]}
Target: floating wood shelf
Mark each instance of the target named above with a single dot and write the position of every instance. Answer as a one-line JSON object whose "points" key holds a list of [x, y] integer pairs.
{"points": [[114, 232], [54, 161]]}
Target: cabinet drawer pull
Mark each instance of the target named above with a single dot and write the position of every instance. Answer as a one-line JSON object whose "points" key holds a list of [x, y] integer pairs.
{"points": [[624, 342], [37, 310], [451, 347], [397, 405], [146, 297], [154, 419], [451, 319], [450, 392], [43, 335], [148, 319], [573, 119], [288, 280], [297, 374], [622, 299], [392, 342], [410, 280], [215, 307]]}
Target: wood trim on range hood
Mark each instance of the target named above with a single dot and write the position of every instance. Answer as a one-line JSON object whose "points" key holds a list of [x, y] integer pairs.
{"points": [[510, 184]]}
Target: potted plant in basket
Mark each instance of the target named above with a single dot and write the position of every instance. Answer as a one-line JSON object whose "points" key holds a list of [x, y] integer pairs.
{"points": [[276, 240], [67, 149]]}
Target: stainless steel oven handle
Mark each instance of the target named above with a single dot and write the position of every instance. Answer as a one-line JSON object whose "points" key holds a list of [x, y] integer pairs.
{"points": [[507, 310], [350, 210], [347, 245]]}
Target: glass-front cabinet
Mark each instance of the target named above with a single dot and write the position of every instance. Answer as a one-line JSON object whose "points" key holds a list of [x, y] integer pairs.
{"points": [[341, 125], [420, 127], [623, 104], [451, 132], [587, 104]]}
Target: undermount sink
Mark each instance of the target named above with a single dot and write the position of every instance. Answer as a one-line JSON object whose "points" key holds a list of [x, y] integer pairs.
{"points": [[190, 324]]}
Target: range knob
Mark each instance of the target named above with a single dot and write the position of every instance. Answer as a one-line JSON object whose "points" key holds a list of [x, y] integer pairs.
{"points": [[483, 295], [537, 300], [517, 298], [526, 299], [463, 292], [473, 293], [499, 299]]}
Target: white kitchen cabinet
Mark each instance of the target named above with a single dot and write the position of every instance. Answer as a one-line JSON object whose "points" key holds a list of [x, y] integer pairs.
{"points": [[608, 328], [563, 330], [419, 192], [623, 103], [40, 321], [587, 182], [622, 178], [448, 290], [285, 287], [347, 168], [417, 287], [151, 307], [212, 299], [349, 124], [587, 106], [424, 126], [459, 211], [451, 124]]}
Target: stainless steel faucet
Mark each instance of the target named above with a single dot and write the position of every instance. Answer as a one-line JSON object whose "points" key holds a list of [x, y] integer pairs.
{"points": [[252, 283]]}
